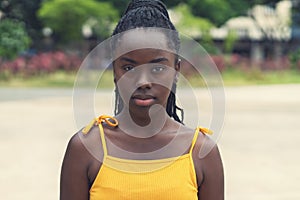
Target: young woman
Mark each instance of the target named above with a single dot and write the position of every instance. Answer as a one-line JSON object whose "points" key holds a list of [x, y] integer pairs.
{"points": [[145, 151]]}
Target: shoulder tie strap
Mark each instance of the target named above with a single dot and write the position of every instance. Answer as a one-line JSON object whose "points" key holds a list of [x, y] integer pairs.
{"points": [[202, 130], [194, 140], [104, 147], [111, 121]]}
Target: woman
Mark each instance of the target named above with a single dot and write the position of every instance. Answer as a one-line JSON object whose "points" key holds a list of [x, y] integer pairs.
{"points": [[145, 151]]}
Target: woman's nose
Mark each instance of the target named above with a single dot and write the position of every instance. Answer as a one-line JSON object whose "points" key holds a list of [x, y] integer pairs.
{"points": [[143, 80]]}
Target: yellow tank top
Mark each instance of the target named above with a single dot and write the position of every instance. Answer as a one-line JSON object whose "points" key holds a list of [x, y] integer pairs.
{"points": [[169, 178]]}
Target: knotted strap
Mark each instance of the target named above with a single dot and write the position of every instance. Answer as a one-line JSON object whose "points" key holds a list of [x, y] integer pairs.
{"points": [[205, 130], [111, 121]]}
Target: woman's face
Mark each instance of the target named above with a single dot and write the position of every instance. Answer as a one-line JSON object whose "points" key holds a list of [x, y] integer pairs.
{"points": [[144, 69], [144, 77]]}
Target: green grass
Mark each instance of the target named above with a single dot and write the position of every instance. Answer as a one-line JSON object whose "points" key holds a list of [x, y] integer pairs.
{"points": [[234, 77], [57, 79], [257, 77], [230, 78]]}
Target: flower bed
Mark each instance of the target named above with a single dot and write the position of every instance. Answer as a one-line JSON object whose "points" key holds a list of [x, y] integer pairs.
{"points": [[41, 63]]}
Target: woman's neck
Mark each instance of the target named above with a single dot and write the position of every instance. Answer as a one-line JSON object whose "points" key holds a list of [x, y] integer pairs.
{"points": [[144, 124]]}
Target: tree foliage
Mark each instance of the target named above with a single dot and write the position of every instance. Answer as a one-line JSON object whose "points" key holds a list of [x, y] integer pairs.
{"points": [[219, 11], [13, 38], [214, 10], [187, 23], [119, 5], [67, 17], [193, 26], [23, 11]]}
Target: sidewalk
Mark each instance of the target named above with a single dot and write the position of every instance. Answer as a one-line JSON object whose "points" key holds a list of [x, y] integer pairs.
{"points": [[259, 144]]}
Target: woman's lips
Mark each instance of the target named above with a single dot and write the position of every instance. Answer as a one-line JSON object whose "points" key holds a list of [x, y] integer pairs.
{"points": [[143, 101]]}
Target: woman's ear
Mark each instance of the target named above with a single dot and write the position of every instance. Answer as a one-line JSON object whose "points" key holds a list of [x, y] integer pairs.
{"points": [[178, 65], [177, 69]]}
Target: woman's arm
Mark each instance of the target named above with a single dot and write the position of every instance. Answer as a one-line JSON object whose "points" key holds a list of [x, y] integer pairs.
{"points": [[212, 185], [74, 182]]}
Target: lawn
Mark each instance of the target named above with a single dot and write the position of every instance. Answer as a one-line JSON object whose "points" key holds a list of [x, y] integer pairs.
{"points": [[230, 78]]}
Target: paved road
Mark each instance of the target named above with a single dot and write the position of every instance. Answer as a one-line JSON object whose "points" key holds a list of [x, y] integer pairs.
{"points": [[259, 144]]}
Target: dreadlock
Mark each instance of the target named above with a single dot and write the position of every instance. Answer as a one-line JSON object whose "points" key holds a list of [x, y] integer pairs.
{"points": [[150, 13]]}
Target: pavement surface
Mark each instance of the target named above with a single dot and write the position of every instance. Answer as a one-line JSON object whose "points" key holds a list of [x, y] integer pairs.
{"points": [[259, 143]]}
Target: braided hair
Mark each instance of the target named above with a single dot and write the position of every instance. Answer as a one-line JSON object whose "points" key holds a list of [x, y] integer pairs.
{"points": [[150, 13]]}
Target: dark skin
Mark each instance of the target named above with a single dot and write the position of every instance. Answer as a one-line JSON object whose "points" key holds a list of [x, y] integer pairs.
{"points": [[80, 168]]}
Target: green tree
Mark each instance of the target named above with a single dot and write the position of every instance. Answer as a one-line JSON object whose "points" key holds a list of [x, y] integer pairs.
{"points": [[67, 17], [219, 11], [187, 23], [216, 11], [119, 5], [196, 27], [173, 3], [230, 41], [267, 2], [24, 11], [13, 38]]}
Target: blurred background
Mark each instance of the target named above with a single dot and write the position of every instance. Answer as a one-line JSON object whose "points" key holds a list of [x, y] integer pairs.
{"points": [[255, 45], [249, 40]]}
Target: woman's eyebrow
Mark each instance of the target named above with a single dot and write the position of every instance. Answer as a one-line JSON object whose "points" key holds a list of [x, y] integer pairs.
{"points": [[128, 60], [158, 60]]}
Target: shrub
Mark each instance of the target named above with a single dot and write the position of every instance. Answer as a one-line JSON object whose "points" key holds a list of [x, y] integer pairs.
{"points": [[41, 63], [219, 61], [13, 38], [294, 58]]}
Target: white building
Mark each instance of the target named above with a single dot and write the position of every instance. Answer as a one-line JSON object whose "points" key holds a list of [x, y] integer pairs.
{"points": [[264, 29]]}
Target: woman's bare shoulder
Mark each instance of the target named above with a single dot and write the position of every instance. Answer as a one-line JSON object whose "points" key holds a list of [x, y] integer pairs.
{"points": [[207, 159], [205, 146], [75, 148], [209, 168], [83, 145]]}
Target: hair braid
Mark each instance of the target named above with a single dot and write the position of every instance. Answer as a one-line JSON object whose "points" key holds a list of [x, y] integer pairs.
{"points": [[172, 108]]}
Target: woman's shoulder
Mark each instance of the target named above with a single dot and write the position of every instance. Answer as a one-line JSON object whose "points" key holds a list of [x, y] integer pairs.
{"points": [[75, 143], [196, 135], [92, 142], [206, 156], [204, 145], [75, 153], [86, 146]]}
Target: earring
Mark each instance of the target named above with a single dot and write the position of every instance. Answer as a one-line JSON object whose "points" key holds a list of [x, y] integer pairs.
{"points": [[178, 64], [176, 78]]}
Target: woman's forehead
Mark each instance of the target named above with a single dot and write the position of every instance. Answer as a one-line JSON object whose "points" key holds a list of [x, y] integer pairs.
{"points": [[142, 56], [140, 39], [147, 52]]}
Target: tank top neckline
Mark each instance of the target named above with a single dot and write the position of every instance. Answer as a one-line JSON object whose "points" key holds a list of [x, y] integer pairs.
{"points": [[107, 156]]}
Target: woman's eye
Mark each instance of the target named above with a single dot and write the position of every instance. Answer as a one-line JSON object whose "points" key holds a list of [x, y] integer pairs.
{"points": [[128, 68], [157, 69]]}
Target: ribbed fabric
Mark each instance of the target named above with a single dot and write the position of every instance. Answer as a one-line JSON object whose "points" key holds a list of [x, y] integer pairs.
{"points": [[165, 179]]}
